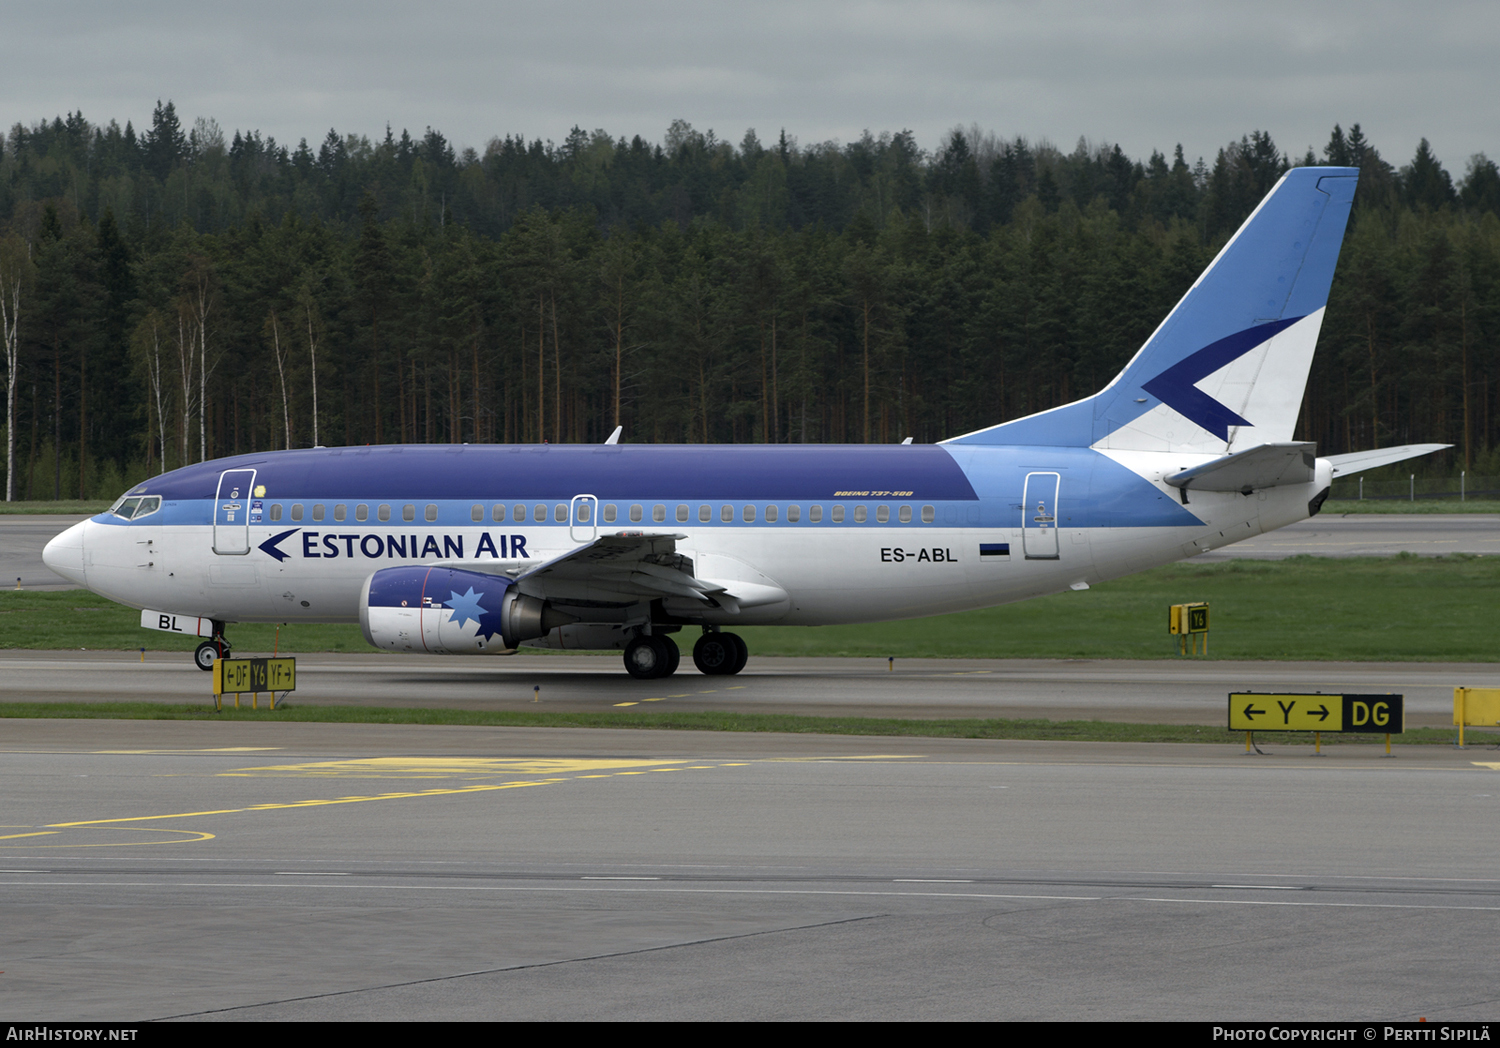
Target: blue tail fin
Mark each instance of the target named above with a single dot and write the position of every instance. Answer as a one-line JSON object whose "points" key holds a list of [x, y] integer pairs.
{"points": [[1227, 368]]}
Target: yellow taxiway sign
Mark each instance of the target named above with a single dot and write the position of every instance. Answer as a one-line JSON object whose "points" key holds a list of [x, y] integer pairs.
{"points": [[1378, 714]]}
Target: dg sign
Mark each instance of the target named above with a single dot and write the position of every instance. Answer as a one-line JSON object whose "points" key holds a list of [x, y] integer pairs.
{"points": [[1274, 711]]}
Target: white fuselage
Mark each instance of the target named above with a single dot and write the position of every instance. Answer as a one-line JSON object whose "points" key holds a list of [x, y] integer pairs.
{"points": [[868, 566]]}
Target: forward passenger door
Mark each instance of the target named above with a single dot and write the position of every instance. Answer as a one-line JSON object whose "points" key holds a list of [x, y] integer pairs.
{"points": [[232, 505]]}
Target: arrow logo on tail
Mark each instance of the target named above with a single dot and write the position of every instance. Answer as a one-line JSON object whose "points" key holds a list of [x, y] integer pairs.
{"points": [[271, 543], [1177, 387]]}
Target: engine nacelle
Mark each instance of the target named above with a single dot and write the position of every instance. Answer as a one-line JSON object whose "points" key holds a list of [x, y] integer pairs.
{"points": [[449, 611]]}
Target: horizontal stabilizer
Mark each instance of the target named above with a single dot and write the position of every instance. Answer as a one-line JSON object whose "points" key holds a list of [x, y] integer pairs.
{"points": [[1266, 466], [1359, 461]]}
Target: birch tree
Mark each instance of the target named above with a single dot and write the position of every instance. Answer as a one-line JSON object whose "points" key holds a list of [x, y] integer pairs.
{"points": [[195, 304], [310, 315], [286, 409], [15, 258], [187, 342], [146, 344]]}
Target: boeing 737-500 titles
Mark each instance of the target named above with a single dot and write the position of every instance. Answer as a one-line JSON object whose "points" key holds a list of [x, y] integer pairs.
{"points": [[481, 549]]}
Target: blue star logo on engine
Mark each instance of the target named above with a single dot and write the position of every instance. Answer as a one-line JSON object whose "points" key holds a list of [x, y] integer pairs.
{"points": [[466, 607], [1177, 387]]}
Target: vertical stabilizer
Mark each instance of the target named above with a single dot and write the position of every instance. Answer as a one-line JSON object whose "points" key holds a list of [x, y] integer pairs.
{"points": [[1227, 368]]}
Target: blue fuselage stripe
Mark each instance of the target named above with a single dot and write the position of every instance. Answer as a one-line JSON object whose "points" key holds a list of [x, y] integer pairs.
{"points": [[966, 486]]}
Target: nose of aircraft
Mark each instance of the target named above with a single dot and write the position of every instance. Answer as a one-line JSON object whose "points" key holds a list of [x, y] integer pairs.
{"points": [[64, 554]]}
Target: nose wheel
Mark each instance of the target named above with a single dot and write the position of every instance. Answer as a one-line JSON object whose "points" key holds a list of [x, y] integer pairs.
{"points": [[204, 656]]}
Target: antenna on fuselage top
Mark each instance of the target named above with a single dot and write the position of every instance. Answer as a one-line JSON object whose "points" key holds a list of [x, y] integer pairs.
{"points": [[614, 438]]}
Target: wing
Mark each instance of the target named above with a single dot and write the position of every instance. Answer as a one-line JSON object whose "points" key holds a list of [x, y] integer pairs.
{"points": [[631, 568], [618, 569]]}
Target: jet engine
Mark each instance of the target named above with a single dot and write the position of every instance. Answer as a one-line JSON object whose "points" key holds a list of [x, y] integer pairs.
{"points": [[450, 611]]}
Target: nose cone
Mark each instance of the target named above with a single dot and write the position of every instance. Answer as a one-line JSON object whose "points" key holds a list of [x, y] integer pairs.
{"points": [[64, 554]]}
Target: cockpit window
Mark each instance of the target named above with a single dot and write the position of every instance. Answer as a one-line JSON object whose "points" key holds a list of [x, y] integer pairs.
{"points": [[125, 507], [134, 507]]}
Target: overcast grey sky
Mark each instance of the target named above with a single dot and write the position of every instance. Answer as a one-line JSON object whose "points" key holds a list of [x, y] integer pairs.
{"points": [[1147, 74]]}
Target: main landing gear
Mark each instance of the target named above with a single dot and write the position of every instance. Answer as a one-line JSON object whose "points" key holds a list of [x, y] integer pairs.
{"points": [[655, 656], [720, 654], [217, 648], [647, 658]]}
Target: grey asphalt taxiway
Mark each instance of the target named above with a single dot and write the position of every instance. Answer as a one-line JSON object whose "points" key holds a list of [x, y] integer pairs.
{"points": [[200, 871], [258, 870], [23, 536], [1165, 691]]}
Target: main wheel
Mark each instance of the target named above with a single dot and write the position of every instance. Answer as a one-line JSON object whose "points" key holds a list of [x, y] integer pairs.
{"points": [[716, 654], [674, 656], [647, 658], [208, 651], [742, 652]]}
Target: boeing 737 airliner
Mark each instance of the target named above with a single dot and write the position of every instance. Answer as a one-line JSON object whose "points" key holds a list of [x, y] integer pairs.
{"points": [[479, 549]]}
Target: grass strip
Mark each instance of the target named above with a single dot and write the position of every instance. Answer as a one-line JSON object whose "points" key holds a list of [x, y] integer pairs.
{"points": [[80, 507], [948, 728], [1423, 506]]}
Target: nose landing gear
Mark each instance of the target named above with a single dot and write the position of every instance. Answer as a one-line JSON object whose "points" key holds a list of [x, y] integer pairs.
{"points": [[217, 648]]}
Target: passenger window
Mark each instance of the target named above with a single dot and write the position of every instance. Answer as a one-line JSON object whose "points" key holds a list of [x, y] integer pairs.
{"points": [[384, 512], [882, 514], [431, 512], [609, 513], [476, 512], [749, 514], [635, 513], [928, 515], [793, 514], [658, 513], [361, 512], [539, 513], [275, 511], [727, 514], [340, 512], [518, 514], [905, 514], [296, 511], [497, 514], [771, 514], [815, 514], [583, 512], [838, 514], [859, 514], [318, 511], [682, 513], [705, 513], [560, 513]]}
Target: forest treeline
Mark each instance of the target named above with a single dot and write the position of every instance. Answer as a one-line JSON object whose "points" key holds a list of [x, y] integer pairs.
{"points": [[175, 295]]}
